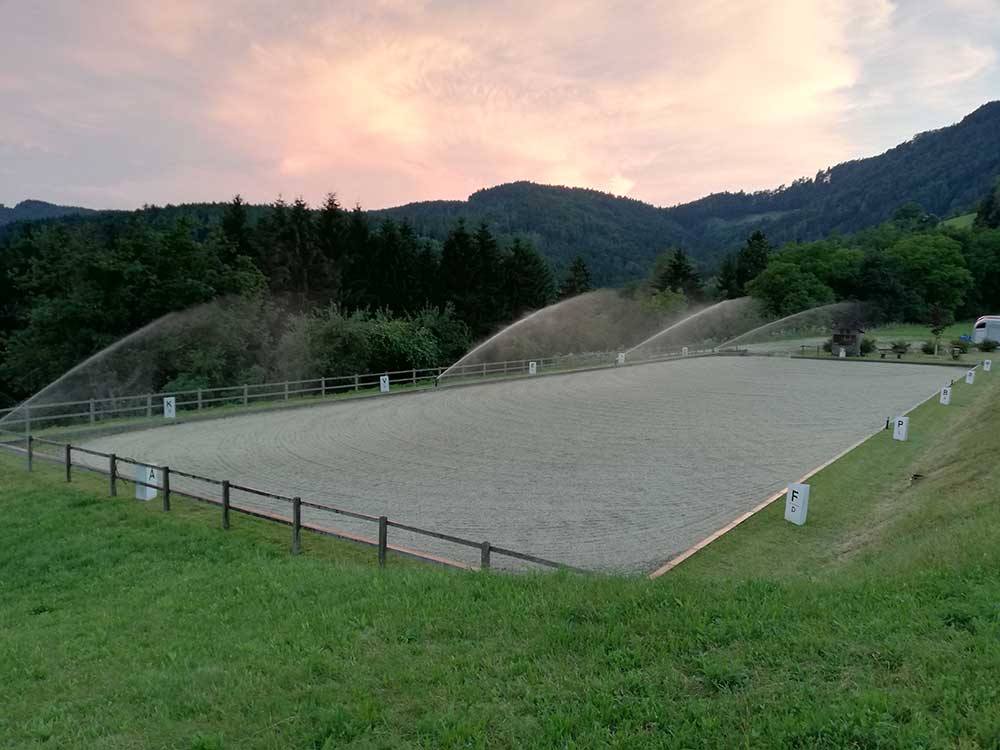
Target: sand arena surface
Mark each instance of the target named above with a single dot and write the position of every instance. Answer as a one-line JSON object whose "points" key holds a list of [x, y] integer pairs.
{"points": [[617, 469]]}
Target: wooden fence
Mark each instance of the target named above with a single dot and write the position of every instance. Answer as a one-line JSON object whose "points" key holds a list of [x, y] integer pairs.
{"points": [[66, 454], [36, 414]]}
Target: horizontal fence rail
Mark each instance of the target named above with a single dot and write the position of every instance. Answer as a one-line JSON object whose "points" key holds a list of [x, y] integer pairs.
{"points": [[34, 416], [110, 465]]}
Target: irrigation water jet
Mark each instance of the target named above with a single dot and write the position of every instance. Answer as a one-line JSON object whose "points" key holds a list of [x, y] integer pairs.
{"points": [[94, 358], [821, 317], [588, 325], [742, 306]]}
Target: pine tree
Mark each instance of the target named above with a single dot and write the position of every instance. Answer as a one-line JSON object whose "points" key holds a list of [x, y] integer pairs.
{"points": [[357, 260], [678, 275], [236, 230], [331, 231], [725, 279], [577, 279], [752, 259], [528, 283], [458, 271]]}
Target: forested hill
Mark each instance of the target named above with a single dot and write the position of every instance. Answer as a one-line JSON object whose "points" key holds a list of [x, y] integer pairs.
{"points": [[945, 170], [617, 237], [33, 210]]}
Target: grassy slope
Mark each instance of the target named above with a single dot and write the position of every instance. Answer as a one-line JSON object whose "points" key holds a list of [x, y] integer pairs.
{"points": [[122, 627], [961, 222], [914, 332]]}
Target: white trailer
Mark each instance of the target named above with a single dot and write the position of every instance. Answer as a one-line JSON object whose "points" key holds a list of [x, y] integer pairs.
{"points": [[987, 327]]}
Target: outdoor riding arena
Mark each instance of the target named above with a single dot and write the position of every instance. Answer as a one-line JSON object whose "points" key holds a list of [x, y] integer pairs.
{"points": [[617, 469]]}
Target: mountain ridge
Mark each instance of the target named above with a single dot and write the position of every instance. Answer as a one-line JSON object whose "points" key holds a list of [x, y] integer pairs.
{"points": [[32, 210], [947, 170]]}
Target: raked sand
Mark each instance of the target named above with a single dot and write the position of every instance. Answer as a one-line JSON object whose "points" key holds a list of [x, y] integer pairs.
{"points": [[616, 469]]}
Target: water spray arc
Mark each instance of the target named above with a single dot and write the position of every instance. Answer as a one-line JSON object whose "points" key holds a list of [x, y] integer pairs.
{"points": [[497, 335], [588, 325], [725, 304], [111, 349], [822, 316]]}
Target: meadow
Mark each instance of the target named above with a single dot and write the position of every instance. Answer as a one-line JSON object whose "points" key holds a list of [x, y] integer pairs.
{"points": [[875, 625]]}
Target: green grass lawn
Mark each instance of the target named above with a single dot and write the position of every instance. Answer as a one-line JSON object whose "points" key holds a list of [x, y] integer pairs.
{"points": [[914, 332], [961, 222], [875, 625]]}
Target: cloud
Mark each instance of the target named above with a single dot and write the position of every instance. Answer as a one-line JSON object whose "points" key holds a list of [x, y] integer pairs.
{"points": [[391, 101]]}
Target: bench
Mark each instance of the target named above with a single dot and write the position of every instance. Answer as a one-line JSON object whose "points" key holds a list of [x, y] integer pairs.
{"points": [[883, 350]]}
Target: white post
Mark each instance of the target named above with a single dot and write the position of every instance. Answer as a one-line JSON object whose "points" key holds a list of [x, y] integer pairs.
{"points": [[987, 365], [170, 407], [901, 429], [146, 475], [383, 383], [532, 368], [946, 395], [621, 358], [797, 503], [970, 377]]}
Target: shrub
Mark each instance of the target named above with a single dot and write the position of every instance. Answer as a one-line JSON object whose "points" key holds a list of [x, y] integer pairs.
{"points": [[927, 347], [900, 347], [868, 345], [988, 345], [961, 344], [828, 345]]}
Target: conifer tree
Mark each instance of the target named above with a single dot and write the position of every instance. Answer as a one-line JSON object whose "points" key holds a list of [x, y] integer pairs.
{"points": [[752, 259], [528, 283], [577, 279]]}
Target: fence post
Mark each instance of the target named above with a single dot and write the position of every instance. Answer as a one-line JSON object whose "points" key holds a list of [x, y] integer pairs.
{"points": [[27, 421], [199, 399], [69, 462], [484, 369], [355, 382], [149, 406], [112, 475], [286, 390], [383, 529], [31, 451], [225, 503], [322, 387], [296, 525], [93, 416], [414, 376], [246, 395], [166, 488], [484, 556]]}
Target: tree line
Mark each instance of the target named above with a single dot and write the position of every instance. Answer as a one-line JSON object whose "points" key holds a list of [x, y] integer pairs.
{"points": [[70, 287], [914, 268]]}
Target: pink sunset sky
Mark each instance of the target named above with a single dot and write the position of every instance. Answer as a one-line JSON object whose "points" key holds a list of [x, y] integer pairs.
{"points": [[117, 104]]}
